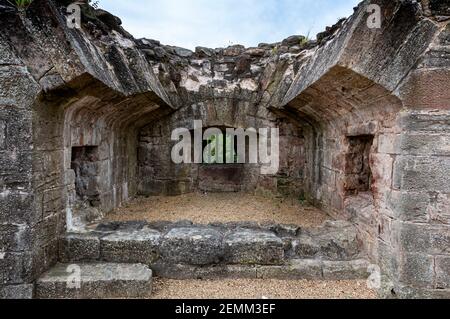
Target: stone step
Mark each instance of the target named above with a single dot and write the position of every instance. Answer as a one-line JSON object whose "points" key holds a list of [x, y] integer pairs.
{"points": [[95, 281], [220, 249], [295, 269]]}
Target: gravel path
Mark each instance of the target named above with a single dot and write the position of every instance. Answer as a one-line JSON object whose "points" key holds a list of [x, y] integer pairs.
{"points": [[222, 207], [259, 289]]}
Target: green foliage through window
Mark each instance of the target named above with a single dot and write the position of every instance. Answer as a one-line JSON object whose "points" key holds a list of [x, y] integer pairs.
{"points": [[220, 149]]}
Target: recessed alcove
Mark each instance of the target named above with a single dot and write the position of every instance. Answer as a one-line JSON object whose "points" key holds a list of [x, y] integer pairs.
{"points": [[358, 174]]}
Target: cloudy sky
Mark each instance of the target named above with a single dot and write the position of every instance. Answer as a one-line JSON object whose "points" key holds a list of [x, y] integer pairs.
{"points": [[219, 23]]}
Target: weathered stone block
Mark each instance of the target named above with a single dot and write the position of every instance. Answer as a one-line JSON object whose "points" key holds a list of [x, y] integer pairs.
{"points": [[79, 247], [419, 173], [295, 270], [416, 270], [426, 122], [53, 201], [46, 231], [443, 272], [438, 210], [129, 226], [16, 167], [46, 169], [283, 230], [15, 268], [6, 54], [422, 238], [389, 144], [329, 177], [346, 270], [382, 165], [305, 247], [337, 201], [408, 292], [43, 257], [17, 291], [409, 206], [95, 281], [18, 87], [15, 237], [17, 133], [184, 272], [140, 246], [411, 48], [337, 240], [253, 247], [388, 259], [426, 144], [367, 128], [194, 246]]}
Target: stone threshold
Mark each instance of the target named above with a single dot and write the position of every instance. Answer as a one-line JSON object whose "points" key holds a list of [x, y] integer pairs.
{"points": [[183, 250], [295, 269]]}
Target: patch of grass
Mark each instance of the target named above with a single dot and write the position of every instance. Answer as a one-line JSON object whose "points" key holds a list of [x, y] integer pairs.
{"points": [[275, 50], [302, 200], [22, 4], [304, 40]]}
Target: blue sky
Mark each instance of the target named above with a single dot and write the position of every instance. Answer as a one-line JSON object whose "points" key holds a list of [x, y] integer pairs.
{"points": [[219, 23]]}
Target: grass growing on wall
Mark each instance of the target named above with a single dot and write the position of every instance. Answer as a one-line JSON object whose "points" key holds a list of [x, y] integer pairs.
{"points": [[22, 4]]}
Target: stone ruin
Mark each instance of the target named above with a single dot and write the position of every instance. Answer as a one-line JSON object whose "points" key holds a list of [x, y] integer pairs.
{"points": [[85, 122]]}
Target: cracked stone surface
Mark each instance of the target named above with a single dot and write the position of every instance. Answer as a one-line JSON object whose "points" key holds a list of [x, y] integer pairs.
{"points": [[130, 247], [195, 246], [102, 280], [253, 247], [172, 244]]}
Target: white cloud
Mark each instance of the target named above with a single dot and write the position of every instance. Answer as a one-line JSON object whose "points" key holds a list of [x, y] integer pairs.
{"points": [[219, 23]]}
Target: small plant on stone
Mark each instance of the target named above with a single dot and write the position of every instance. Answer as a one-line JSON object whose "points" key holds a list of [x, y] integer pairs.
{"points": [[304, 40], [275, 50], [21, 5], [302, 199]]}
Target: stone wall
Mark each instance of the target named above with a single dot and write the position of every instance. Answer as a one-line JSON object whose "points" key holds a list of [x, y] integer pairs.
{"points": [[160, 176], [381, 111], [420, 197], [23, 236]]}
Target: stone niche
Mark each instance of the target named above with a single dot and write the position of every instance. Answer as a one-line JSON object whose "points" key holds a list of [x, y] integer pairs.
{"points": [[358, 174], [85, 163]]}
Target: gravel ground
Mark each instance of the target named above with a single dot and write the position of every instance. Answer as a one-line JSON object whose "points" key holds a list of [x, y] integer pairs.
{"points": [[261, 289], [221, 207]]}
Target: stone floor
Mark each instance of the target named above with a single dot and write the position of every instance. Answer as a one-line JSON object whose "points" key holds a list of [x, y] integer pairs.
{"points": [[221, 207], [196, 246], [265, 255], [259, 289]]}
